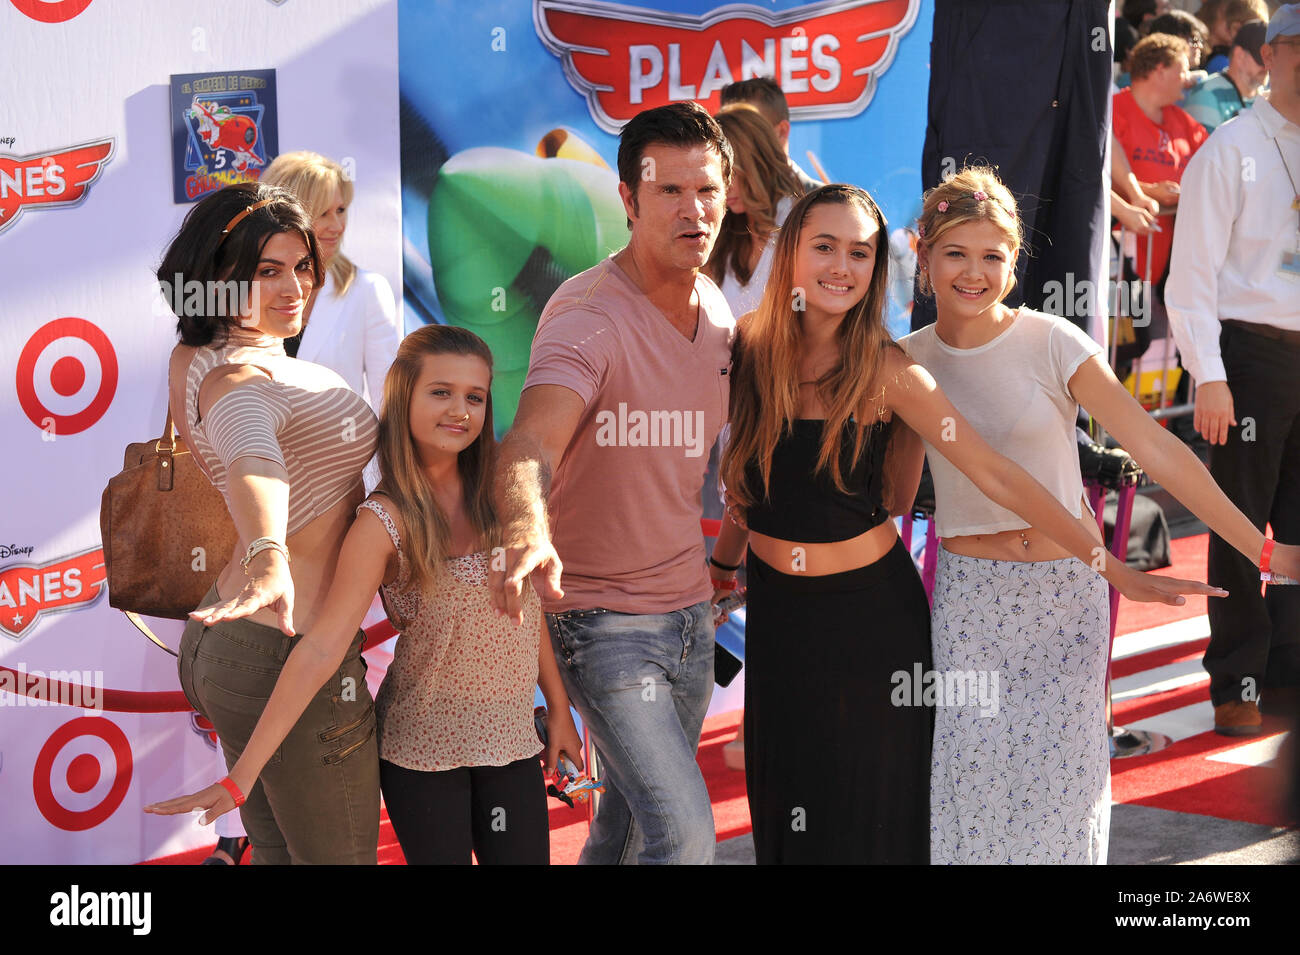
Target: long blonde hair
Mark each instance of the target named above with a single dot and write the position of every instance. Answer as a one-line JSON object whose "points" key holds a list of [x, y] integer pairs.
{"points": [[765, 179], [428, 534], [313, 178], [765, 382]]}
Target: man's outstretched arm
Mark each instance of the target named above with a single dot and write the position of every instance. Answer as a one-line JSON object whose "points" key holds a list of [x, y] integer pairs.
{"points": [[544, 425]]}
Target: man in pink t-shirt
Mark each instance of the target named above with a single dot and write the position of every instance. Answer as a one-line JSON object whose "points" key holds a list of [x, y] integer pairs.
{"points": [[626, 392]]}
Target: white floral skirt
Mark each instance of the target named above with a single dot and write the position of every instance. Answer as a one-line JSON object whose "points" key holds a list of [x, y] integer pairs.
{"points": [[1026, 780]]}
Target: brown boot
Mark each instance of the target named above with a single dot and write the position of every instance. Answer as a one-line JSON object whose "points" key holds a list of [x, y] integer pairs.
{"points": [[1237, 719]]}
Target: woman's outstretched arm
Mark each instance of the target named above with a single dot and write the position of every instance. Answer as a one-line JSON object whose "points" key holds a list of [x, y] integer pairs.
{"points": [[1172, 463], [362, 566]]}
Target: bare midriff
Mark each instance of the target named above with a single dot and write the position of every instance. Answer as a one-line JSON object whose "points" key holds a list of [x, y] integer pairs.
{"points": [[818, 560], [313, 554], [1026, 546]]}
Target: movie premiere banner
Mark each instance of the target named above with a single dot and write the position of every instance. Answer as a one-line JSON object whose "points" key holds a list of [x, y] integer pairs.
{"points": [[116, 117], [510, 118]]}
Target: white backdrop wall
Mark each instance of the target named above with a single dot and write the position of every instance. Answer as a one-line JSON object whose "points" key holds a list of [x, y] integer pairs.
{"points": [[72, 783]]}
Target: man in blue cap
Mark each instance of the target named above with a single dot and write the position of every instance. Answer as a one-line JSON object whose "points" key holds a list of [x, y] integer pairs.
{"points": [[1234, 306]]}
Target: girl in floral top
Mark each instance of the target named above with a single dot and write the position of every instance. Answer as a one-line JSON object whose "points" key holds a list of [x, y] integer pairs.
{"points": [[458, 754]]}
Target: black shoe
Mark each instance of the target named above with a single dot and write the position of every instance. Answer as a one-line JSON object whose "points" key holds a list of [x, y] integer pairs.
{"points": [[235, 847]]}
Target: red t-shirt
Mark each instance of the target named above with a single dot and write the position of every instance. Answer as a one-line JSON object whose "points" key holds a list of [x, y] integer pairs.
{"points": [[1155, 153]]}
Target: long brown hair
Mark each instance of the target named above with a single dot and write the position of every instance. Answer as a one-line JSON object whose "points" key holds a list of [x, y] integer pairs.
{"points": [[765, 179], [765, 383], [428, 535]]}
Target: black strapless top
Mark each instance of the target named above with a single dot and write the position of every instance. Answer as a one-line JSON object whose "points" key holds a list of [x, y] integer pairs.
{"points": [[806, 507]]}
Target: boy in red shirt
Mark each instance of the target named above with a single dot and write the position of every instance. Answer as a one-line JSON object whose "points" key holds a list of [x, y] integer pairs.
{"points": [[1157, 136]]}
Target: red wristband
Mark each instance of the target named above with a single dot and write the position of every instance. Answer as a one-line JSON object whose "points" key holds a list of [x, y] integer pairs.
{"points": [[1266, 556], [231, 788], [723, 584]]}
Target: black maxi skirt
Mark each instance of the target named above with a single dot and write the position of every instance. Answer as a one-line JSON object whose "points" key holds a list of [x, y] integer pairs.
{"points": [[837, 749]]}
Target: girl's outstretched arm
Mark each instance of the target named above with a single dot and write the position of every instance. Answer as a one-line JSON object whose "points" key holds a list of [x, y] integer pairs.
{"points": [[362, 566], [912, 393], [1172, 463]]}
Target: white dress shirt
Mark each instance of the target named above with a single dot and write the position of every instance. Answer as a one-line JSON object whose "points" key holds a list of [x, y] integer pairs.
{"points": [[356, 335], [1235, 221]]}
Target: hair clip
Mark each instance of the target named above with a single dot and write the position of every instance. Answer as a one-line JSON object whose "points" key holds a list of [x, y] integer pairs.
{"points": [[943, 205], [979, 195], [920, 229]]}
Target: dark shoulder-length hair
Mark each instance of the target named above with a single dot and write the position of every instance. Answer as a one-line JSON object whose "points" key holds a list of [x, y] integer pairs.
{"points": [[206, 269]]}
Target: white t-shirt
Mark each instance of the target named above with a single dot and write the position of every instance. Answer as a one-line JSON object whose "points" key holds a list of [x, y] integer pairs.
{"points": [[1014, 391]]}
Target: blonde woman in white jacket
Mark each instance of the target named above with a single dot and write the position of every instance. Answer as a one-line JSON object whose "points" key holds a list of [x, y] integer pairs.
{"points": [[351, 323]]}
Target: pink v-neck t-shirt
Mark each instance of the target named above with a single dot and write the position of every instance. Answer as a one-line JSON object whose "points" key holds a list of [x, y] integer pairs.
{"points": [[625, 499]]}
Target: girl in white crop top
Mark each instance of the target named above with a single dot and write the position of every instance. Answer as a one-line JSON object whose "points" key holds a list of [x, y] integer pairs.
{"points": [[1025, 778], [455, 711]]}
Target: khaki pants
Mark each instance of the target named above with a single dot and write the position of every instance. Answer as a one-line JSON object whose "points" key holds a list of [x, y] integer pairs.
{"points": [[317, 800]]}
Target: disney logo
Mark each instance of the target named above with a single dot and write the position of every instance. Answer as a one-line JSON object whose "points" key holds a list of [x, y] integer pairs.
{"points": [[6, 140], [15, 550]]}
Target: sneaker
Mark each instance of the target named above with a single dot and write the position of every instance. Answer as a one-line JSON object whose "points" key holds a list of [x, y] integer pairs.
{"points": [[1237, 719]]}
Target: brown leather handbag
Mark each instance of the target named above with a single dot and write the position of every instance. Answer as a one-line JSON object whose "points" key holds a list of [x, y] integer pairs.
{"points": [[166, 530]]}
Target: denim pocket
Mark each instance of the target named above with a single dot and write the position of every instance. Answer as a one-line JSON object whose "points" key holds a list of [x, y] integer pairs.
{"points": [[234, 713], [232, 700], [574, 630]]}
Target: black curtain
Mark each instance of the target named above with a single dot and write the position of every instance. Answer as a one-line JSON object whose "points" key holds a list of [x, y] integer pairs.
{"points": [[1024, 85]]}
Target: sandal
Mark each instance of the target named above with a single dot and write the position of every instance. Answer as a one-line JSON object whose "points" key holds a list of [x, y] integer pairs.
{"points": [[232, 847]]}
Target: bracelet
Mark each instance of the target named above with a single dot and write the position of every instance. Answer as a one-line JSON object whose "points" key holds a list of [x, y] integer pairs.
{"points": [[261, 544], [723, 584], [1265, 558], [722, 566], [231, 788]]}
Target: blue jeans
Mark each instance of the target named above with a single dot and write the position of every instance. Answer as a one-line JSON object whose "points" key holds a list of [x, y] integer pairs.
{"points": [[642, 683]]}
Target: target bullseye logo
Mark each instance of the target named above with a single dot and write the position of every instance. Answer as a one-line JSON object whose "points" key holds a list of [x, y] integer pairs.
{"points": [[82, 773], [67, 375], [50, 11]]}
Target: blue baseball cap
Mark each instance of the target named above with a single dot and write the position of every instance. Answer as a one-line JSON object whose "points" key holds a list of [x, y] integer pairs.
{"points": [[1286, 22]]}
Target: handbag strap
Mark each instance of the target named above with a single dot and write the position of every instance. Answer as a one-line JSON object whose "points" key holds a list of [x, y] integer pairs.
{"points": [[144, 628], [169, 431]]}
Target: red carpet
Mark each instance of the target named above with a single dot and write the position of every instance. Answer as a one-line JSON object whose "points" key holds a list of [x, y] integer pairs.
{"points": [[1188, 555], [1182, 778], [569, 826]]}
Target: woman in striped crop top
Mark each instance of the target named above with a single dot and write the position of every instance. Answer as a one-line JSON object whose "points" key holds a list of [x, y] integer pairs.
{"points": [[457, 745], [285, 442]]}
